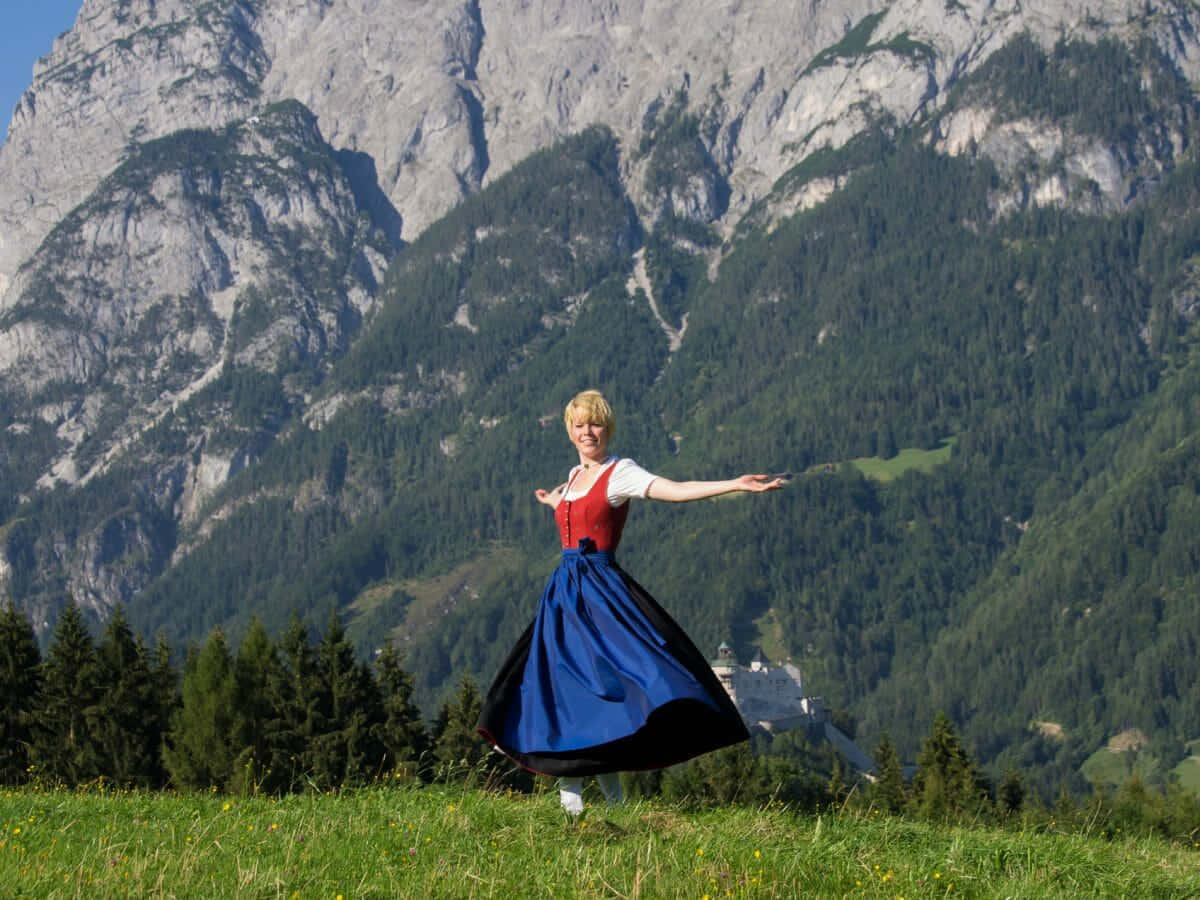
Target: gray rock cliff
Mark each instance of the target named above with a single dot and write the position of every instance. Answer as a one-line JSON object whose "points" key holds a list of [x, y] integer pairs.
{"points": [[173, 270], [442, 98]]}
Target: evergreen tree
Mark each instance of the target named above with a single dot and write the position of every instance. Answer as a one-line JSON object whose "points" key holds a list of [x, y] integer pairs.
{"points": [[201, 749], [889, 792], [737, 775], [1012, 793], [1066, 809], [682, 784], [438, 727], [948, 784], [347, 750], [887, 443], [729, 775], [790, 782], [127, 722], [166, 682], [294, 694], [63, 748], [402, 731], [20, 668], [838, 792], [457, 747], [255, 669], [643, 785]]}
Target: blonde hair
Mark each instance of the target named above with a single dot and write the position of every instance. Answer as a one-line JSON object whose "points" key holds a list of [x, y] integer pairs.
{"points": [[592, 405]]}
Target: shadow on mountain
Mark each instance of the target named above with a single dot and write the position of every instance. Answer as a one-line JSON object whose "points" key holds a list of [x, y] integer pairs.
{"points": [[364, 182]]}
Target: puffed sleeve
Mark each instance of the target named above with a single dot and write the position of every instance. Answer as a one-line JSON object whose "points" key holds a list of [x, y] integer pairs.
{"points": [[628, 480]]}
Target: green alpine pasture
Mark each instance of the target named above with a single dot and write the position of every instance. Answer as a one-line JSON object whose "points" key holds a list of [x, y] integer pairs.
{"points": [[908, 460], [463, 842]]}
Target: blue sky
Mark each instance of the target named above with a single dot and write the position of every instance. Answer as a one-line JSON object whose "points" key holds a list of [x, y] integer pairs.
{"points": [[27, 30]]}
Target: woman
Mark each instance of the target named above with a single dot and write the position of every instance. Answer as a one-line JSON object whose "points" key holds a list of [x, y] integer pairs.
{"points": [[604, 681]]}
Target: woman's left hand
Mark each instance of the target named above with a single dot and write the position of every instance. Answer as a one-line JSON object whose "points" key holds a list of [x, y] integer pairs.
{"points": [[759, 483]]}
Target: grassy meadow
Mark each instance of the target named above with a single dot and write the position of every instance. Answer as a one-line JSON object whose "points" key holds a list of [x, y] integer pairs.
{"points": [[907, 460], [461, 842]]}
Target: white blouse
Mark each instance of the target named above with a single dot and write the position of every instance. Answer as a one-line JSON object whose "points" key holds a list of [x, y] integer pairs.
{"points": [[628, 480]]}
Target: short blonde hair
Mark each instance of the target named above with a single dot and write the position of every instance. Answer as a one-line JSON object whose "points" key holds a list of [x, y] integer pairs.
{"points": [[592, 405]]}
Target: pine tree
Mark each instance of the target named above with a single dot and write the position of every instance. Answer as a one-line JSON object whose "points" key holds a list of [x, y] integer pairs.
{"points": [[164, 679], [20, 670], [402, 731], [643, 785], [682, 784], [294, 695], [201, 749], [255, 670], [1012, 793], [887, 444], [458, 748], [63, 749], [729, 775], [838, 792], [1066, 809], [948, 784], [347, 750], [438, 727], [889, 791], [127, 721]]}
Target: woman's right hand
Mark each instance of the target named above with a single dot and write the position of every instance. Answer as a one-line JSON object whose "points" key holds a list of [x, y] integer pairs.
{"points": [[550, 498]]}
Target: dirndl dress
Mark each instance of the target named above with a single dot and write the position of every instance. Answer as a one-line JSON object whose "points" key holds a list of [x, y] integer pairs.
{"points": [[604, 680]]}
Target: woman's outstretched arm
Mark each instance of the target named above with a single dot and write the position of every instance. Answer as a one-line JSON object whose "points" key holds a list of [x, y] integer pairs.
{"points": [[683, 491]]}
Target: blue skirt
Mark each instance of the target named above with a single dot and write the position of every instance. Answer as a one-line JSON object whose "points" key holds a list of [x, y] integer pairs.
{"points": [[605, 681]]}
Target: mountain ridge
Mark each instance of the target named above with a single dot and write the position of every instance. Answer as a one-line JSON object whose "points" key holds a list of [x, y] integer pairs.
{"points": [[269, 358]]}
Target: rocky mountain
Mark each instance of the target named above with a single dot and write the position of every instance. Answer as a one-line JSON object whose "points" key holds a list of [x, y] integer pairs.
{"points": [[443, 99], [424, 105], [204, 249], [269, 266]]}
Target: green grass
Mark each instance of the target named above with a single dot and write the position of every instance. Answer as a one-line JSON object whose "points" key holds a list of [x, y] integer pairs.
{"points": [[769, 637], [1188, 773], [458, 842], [1105, 768], [904, 461], [1109, 769]]}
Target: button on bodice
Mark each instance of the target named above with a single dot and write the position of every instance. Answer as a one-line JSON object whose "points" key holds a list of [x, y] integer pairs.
{"points": [[591, 516]]}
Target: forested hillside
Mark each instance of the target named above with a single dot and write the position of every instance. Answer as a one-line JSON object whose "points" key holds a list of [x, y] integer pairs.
{"points": [[1046, 572]]}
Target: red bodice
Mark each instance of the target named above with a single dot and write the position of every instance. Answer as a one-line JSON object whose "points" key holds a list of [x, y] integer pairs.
{"points": [[591, 517]]}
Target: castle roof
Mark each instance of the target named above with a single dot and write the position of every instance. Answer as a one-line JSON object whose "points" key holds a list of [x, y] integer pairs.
{"points": [[725, 656]]}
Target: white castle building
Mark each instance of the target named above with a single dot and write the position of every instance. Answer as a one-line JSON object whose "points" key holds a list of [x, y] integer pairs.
{"points": [[772, 697], [766, 694]]}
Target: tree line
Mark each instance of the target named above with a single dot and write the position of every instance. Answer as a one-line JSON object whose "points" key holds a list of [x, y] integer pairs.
{"points": [[290, 714], [277, 716]]}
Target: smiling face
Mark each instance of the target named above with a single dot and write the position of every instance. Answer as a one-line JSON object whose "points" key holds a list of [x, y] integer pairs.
{"points": [[590, 439], [590, 423]]}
